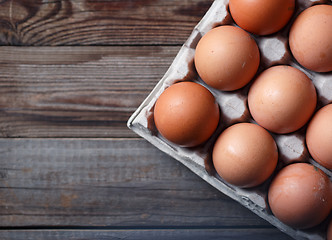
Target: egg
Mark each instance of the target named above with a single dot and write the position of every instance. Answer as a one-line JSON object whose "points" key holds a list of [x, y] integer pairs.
{"points": [[310, 38], [300, 195], [319, 137], [245, 155], [186, 114], [227, 58], [282, 99], [261, 17]]}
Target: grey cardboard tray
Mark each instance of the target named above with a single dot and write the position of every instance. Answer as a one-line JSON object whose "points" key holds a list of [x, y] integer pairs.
{"points": [[234, 109]]}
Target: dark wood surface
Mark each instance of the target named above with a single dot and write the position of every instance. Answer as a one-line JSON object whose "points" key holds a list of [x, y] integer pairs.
{"points": [[98, 22], [71, 74], [76, 91]]}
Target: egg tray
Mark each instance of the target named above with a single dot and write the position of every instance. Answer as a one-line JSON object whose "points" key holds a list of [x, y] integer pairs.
{"points": [[234, 109]]}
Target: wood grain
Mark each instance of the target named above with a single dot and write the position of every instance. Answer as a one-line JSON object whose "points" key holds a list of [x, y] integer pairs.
{"points": [[107, 183], [102, 22], [161, 234], [76, 91]]}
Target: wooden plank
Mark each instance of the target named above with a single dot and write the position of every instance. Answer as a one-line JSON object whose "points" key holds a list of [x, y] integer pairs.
{"points": [[107, 183], [161, 234], [76, 91], [116, 22]]}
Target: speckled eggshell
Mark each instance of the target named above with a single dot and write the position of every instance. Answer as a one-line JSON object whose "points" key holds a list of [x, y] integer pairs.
{"points": [[300, 195], [282, 99], [319, 136], [245, 155], [262, 17], [310, 38], [186, 113], [227, 58]]}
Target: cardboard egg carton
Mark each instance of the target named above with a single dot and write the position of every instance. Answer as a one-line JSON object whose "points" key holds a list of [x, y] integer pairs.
{"points": [[234, 108]]}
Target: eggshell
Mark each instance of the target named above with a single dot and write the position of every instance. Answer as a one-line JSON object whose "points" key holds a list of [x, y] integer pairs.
{"points": [[319, 137], [329, 231], [310, 38], [262, 17], [245, 155], [300, 195], [186, 113], [282, 99], [227, 58]]}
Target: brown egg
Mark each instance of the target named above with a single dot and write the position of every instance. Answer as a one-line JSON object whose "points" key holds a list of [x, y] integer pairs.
{"points": [[227, 58], [245, 155], [319, 137], [310, 38], [186, 113], [261, 17], [300, 195], [282, 99]]}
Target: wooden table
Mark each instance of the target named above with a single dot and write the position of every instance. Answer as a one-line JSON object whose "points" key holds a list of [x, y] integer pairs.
{"points": [[71, 74]]}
